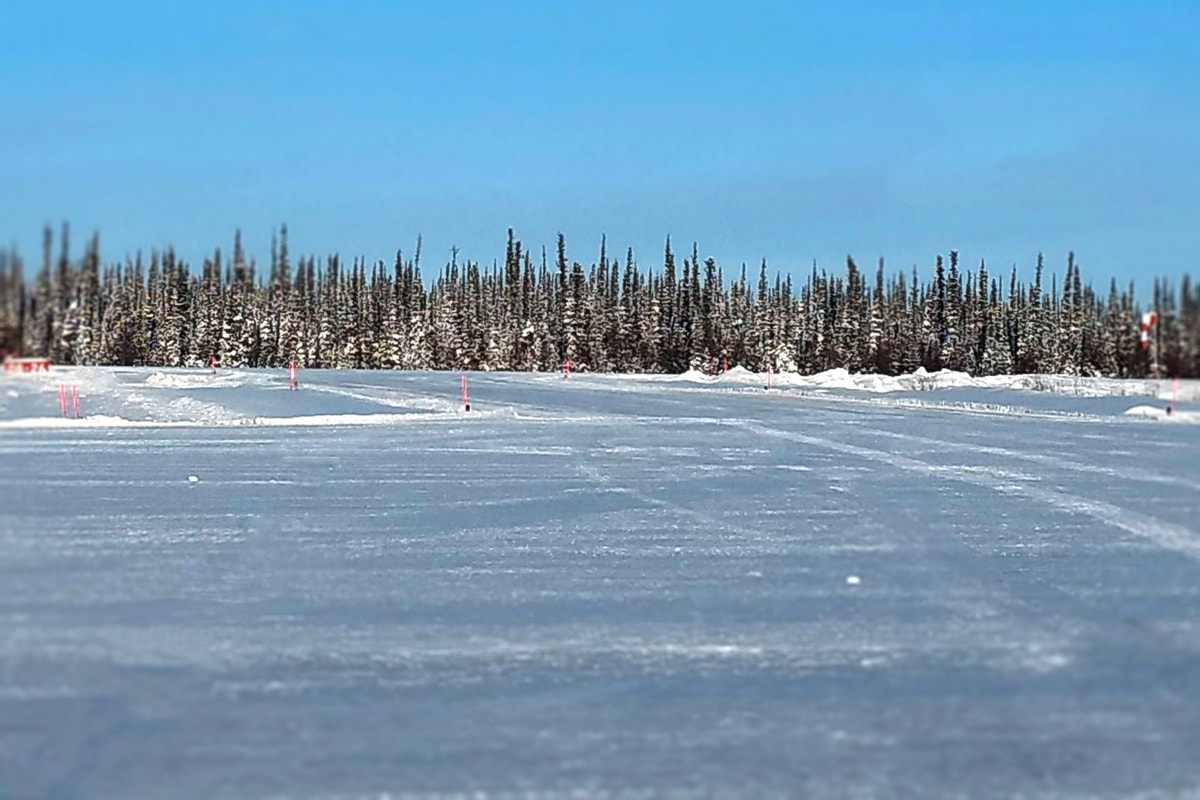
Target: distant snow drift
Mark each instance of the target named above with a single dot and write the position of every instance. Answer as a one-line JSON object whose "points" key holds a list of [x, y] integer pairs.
{"points": [[147, 397]]}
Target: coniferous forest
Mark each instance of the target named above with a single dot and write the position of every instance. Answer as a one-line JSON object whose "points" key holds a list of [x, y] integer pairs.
{"points": [[537, 309]]}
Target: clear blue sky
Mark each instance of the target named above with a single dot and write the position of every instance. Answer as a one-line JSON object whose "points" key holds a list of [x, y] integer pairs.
{"points": [[788, 130]]}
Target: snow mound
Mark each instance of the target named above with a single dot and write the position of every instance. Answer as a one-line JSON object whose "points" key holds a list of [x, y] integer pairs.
{"points": [[842, 379], [192, 380], [1161, 413], [740, 376], [191, 409], [696, 376], [838, 378], [947, 378]]}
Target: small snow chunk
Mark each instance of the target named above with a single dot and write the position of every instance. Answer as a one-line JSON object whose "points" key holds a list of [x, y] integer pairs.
{"points": [[1146, 411], [193, 479], [13, 393], [853, 580]]}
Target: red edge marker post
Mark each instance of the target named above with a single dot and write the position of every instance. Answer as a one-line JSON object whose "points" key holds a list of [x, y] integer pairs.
{"points": [[293, 384], [68, 400], [465, 397], [768, 386]]}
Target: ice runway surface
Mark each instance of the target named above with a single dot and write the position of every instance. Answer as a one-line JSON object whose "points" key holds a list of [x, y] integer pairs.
{"points": [[600, 587]]}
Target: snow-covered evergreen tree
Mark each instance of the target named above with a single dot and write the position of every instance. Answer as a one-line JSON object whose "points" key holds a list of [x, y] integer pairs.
{"points": [[604, 316]]}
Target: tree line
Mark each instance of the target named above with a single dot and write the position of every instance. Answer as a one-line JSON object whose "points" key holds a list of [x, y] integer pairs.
{"points": [[537, 310]]}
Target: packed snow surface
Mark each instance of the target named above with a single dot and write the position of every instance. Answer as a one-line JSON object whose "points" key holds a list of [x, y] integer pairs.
{"points": [[598, 586]]}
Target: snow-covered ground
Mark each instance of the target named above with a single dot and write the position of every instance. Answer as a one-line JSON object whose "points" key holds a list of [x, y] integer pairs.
{"points": [[598, 587]]}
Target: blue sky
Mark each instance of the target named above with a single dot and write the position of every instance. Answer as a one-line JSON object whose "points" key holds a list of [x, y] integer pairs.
{"points": [[792, 131]]}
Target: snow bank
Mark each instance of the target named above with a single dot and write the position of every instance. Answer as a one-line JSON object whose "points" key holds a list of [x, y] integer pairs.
{"points": [[97, 421], [305, 421], [843, 379], [921, 380]]}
